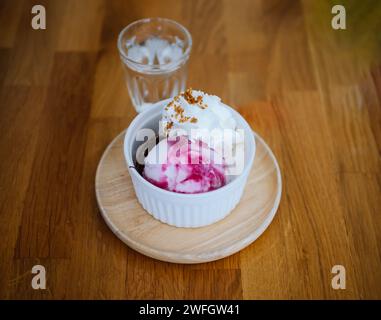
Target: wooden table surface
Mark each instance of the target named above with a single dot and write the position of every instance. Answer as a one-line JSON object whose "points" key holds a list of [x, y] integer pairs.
{"points": [[313, 93]]}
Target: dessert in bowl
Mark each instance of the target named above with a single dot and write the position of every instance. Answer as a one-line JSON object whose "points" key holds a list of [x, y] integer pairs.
{"points": [[189, 158]]}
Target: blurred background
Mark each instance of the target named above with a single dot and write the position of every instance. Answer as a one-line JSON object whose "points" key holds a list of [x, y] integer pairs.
{"points": [[312, 92]]}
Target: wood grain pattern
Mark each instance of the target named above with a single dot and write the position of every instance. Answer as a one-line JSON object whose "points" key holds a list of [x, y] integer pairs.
{"points": [[313, 94], [139, 230]]}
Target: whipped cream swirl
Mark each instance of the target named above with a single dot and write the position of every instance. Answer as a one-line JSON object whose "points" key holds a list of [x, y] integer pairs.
{"points": [[195, 109]]}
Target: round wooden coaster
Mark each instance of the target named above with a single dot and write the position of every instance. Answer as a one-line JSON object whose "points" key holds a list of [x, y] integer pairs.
{"points": [[140, 231]]}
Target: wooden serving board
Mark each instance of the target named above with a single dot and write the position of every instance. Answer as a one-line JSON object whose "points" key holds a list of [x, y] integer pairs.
{"points": [[140, 231]]}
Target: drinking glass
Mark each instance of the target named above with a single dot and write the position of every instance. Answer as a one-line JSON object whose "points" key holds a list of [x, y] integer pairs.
{"points": [[154, 53]]}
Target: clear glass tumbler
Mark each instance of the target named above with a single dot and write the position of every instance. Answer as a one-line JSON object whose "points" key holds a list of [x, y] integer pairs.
{"points": [[154, 53]]}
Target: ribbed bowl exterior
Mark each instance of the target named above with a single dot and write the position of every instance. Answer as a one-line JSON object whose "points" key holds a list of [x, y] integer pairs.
{"points": [[188, 213]]}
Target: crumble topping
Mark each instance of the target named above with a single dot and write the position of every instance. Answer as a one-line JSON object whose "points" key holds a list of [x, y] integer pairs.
{"points": [[179, 111], [169, 125]]}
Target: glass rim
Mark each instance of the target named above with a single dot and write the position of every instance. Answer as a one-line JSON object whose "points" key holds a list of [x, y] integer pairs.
{"points": [[156, 67]]}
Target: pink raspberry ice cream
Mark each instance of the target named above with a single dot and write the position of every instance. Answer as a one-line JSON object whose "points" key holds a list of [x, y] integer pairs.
{"points": [[184, 166]]}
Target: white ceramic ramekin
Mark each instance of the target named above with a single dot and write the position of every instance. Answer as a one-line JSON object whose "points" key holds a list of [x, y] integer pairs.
{"points": [[186, 210]]}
